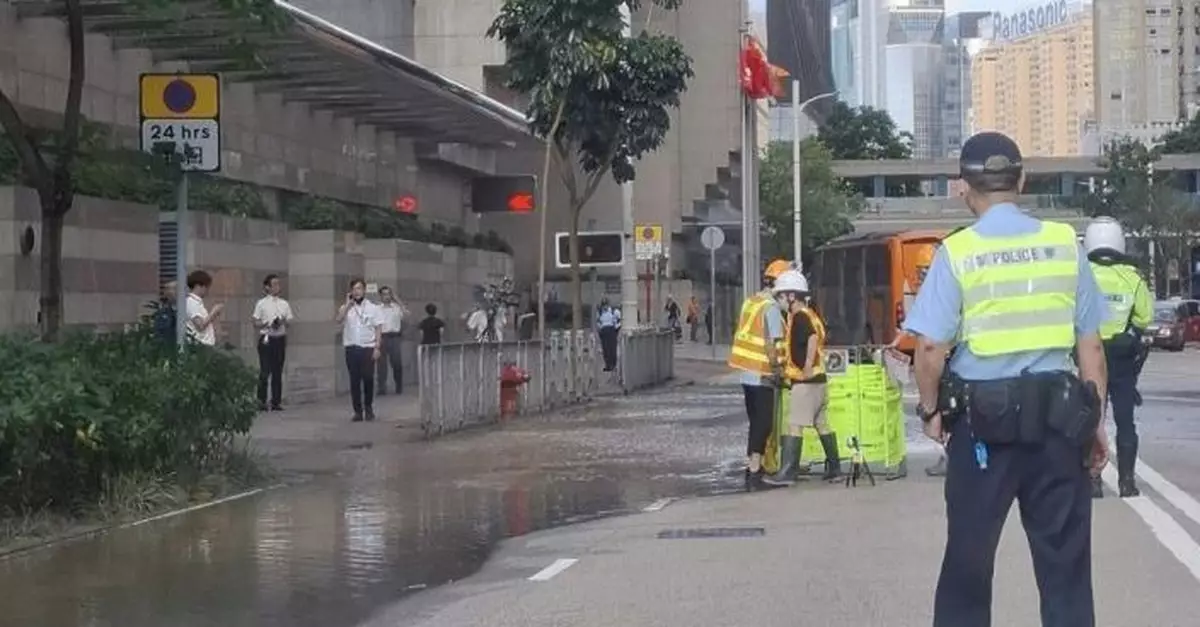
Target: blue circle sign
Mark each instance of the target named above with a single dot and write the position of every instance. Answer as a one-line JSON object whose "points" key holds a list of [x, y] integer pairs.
{"points": [[179, 96]]}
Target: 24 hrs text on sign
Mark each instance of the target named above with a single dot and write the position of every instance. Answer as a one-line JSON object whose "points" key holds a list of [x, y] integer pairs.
{"points": [[198, 142]]}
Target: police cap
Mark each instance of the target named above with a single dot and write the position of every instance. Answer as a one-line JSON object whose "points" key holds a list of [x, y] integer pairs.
{"points": [[989, 153]]}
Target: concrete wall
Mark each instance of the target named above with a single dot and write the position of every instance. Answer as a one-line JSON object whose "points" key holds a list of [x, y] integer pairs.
{"points": [[266, 141], [110, 261]]}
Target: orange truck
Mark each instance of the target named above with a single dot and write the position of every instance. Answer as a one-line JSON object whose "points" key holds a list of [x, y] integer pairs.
{"points": [[864, 285]]}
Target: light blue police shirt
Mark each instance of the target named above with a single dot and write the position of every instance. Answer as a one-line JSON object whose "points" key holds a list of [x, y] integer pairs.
{"points": [[937, 312], [609, 317], [774, 325]]}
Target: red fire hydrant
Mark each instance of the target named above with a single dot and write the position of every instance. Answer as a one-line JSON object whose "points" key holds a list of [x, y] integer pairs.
{"points": [[511, 380]]}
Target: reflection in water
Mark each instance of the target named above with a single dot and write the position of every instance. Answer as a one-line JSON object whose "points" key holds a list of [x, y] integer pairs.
{"points": [[330, 554]]}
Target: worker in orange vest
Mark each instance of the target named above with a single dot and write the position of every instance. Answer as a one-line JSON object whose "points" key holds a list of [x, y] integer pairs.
{"points": [[757, 352]]}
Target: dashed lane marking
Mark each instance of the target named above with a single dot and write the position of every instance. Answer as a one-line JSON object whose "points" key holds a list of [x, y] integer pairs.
{"points": [[551, 571], [1166, 529], [657, 505]]}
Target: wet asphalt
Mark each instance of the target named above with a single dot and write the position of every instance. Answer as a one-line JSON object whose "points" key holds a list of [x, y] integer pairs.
{"points": [[391, 521]]}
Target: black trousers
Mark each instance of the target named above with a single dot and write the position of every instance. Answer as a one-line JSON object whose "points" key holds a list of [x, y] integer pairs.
{"points": [[1122, 392], [608, 346], [760, 409], [1053, 491], [362, 377], [271, 355], [392, 354]]}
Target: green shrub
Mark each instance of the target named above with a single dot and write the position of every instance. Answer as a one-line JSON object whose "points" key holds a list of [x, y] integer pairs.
{"points": [[96, 407]]}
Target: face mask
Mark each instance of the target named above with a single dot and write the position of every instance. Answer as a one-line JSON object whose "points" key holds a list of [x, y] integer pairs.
{"points": [[358, 299]]}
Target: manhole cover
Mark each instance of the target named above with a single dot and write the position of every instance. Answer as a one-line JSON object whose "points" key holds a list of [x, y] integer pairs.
{"points": [[712, 532]]}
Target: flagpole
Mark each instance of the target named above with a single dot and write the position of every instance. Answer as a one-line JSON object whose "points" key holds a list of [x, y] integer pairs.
{"points": [[749, 222]]}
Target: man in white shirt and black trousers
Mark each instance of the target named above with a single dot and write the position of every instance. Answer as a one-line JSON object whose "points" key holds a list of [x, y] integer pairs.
{"points": [[271, 317], [201, 321], [362, 331], [392, 313]]}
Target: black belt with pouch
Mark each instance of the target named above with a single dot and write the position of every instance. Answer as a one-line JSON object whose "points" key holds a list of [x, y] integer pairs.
{"points": [[1020, 410]]}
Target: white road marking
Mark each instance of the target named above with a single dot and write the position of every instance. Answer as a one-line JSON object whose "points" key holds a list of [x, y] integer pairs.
{"points": [[657, 505], [1168, 532], [549, 572], [1174, 495]]}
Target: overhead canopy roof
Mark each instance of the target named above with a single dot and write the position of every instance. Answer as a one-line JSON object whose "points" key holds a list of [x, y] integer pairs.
{"points": [[310, 60]]}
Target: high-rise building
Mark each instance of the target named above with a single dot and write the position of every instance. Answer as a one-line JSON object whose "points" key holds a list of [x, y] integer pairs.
{"points": [[1034, 81], [798, 32], [963, 39], [1147, 61], [858, 31], [913, 81]]}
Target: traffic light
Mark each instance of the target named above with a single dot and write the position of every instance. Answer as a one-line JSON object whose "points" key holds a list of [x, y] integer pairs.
{"points": [[504, 194], [596, 249]]}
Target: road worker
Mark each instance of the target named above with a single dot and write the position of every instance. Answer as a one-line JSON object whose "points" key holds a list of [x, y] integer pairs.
{"points": [[1016, 296], [1131, 310], [756, 352], [804, 372]]}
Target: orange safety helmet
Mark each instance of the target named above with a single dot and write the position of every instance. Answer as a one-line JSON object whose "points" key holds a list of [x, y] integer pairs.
{"points": [[776, 268], [923, 261]]}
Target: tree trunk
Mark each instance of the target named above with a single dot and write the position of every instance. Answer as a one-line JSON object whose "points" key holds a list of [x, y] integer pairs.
{"points": [[50, 300], [576, 289]]}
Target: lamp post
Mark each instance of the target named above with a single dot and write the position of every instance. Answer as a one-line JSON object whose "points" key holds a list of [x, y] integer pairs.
{"points": [[797, 110]]}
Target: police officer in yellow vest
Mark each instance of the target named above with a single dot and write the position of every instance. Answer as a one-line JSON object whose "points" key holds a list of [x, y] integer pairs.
{"points": [[804, 371], [1130, 311], [1014, 296], [757, 350]]}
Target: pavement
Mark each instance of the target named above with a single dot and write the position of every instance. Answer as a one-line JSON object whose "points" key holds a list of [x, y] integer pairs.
{"points": [[821, 554]]}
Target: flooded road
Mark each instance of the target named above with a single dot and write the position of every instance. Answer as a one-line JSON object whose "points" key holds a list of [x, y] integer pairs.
{"points": [[394, 520]]}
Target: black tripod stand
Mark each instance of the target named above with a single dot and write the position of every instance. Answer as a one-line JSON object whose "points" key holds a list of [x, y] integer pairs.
{"points": [[858, 465]]}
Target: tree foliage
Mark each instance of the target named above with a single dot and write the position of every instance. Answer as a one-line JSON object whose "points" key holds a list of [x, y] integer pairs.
{"points": [[1147, 201], [828, 203], [601, 99], [49, 167], [867, 134]]}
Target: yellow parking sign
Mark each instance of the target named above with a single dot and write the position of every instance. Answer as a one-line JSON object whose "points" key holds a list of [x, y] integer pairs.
{"points": [[180, 96], [648, 241]]}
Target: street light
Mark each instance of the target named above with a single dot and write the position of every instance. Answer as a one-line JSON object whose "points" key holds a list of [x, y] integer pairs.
{"points": [[797, 110]]}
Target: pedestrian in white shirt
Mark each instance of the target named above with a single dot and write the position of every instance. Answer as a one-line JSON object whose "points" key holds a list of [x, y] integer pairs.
{"points": [[361, 336], [201, 321], [392, 313], [271, 317]]}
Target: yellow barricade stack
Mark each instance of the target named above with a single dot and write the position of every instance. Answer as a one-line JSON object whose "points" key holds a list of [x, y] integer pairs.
{"points": [[866, 403]]}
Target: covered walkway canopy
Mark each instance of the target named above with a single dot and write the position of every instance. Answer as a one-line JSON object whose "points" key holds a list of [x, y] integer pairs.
{"points": [[305, 59]]}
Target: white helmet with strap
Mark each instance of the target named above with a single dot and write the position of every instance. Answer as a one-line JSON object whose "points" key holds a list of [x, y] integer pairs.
{"points": [[1104, 233], [790, 281]]}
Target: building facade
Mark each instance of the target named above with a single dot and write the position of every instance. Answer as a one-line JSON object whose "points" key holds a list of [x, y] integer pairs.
{"points": [[858, 32], [913, 83], [963, 40], [1034, 81]]}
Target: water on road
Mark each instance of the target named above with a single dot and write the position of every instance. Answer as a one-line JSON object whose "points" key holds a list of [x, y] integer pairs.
{"points": [[394, 520]]}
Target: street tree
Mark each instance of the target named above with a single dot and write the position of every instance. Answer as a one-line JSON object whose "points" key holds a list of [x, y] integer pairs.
{"points": [[828, 204], [868, 134], [48, 160], [601, 100], [1146, 201]]}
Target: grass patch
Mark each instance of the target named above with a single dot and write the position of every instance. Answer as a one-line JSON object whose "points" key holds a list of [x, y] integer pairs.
{"points": [[135, 496]]}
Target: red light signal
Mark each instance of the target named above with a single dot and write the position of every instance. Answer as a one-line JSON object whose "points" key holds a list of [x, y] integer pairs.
{"points": [[520, 202], [406, 204]]}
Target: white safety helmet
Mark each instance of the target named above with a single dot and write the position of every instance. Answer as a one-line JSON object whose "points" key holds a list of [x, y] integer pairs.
{"points": [[790, 281], [1104, 232]]}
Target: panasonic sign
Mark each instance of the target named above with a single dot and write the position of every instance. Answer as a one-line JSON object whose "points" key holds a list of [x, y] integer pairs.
{"points": [[1032, 20]]}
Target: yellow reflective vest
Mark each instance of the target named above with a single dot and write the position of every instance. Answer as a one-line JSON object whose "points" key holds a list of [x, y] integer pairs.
{"points": [[794, 364], [1128, 298], [749, 351], [1018, 293]]}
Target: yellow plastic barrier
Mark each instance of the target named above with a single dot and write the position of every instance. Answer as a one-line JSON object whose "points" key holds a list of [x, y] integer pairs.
{"points": [[863, 402]]}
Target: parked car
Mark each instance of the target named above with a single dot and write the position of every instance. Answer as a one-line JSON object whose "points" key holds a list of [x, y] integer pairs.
{"points": [[1169, 327], [1191, 319]]}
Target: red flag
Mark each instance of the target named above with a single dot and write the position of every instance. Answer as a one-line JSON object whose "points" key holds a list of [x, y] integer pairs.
{"points": [[755, 72]]}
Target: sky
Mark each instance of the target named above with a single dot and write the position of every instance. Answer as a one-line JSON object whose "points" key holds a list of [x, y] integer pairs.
{"points": [[952, 6]]}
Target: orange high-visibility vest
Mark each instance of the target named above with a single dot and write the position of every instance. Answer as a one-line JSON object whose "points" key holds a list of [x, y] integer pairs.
{"points": [[749, 351], [794, 364]]}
